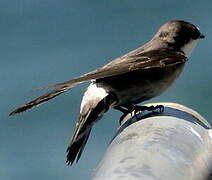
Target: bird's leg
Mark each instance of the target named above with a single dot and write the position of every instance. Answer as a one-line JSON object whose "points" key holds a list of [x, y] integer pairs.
{"points": [[136, 109], [148, 108], [124, 111]]}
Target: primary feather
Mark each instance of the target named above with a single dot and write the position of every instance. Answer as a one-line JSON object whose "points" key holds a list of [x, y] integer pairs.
{"points": [[138, 61]]}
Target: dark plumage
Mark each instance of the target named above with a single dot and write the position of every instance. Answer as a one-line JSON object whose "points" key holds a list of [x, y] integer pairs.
{"points": [[139, 75]]}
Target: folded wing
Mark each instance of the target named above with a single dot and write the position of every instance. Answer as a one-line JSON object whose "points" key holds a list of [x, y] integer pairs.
{"points": [[121, 65]]}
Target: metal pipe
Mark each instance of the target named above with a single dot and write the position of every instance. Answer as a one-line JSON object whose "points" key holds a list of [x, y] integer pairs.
{"points": [[173, 145]]}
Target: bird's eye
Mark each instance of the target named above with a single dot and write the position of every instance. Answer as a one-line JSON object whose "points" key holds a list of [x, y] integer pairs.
{"points": [[163, 34]]}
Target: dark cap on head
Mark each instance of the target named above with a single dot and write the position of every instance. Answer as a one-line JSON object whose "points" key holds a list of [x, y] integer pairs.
{"points": [[178, 32]]}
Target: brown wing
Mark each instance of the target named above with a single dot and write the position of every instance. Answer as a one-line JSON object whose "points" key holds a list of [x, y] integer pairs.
{"points": [[127, 63]]}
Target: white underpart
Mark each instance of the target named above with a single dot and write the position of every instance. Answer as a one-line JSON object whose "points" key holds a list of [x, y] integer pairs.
{"points": [[187, 49], [93, 93]]}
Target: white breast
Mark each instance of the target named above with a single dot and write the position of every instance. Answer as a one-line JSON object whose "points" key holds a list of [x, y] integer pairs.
{"points": [[187, 49]]}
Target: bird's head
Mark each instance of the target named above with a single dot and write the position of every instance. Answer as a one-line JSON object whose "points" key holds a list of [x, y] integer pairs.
{"points": [[180, 35]]}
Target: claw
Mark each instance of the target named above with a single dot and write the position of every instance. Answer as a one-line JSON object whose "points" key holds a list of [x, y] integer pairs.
{"points": [[160, 107], [137, 109], [147, 108]]}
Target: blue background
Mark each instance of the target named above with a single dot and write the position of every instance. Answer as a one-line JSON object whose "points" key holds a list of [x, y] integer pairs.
{"points": [[45, 42]]}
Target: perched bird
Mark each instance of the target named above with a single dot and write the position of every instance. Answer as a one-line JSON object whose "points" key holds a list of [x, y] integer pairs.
{"points": [[137, 76]]}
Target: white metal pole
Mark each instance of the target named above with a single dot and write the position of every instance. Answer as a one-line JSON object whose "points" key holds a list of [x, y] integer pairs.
{"points": [[173, 145]]}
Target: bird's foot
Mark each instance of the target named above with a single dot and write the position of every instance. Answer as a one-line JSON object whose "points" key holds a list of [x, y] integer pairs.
{"points": [[137, 109]]}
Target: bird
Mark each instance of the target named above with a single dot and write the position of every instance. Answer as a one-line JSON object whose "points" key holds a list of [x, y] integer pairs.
{"points": [[126, 81]]}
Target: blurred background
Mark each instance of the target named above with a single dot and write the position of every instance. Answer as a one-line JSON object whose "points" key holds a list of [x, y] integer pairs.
{"points": [[45, 42]]}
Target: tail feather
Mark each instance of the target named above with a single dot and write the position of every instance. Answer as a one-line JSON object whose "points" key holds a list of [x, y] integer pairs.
{"points": [[76, 148], [39, 100], [83, 128]]}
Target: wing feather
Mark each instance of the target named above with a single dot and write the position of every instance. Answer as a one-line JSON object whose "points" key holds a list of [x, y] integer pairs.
{"points": [[121, 65]]}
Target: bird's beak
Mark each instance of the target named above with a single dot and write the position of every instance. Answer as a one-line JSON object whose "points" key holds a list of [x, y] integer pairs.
{"points": [[202, 36]]}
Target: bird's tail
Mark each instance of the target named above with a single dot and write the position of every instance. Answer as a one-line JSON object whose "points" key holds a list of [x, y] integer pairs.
{"points": [[88, 117]]}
